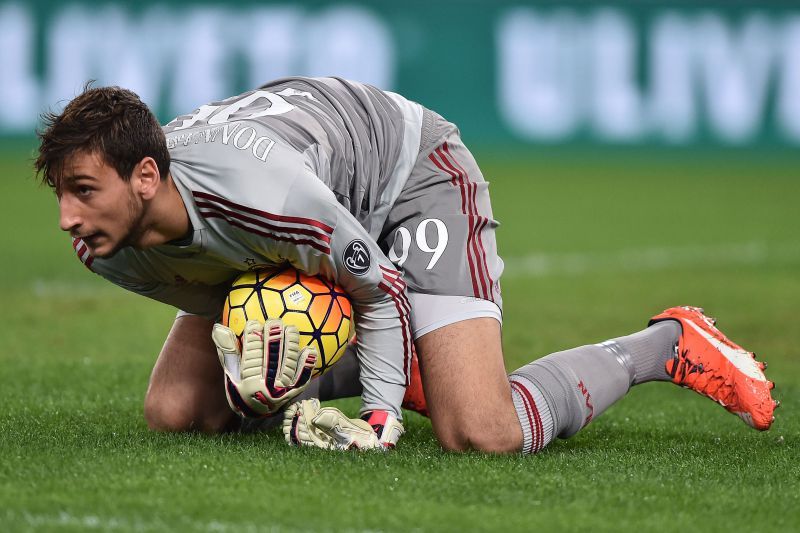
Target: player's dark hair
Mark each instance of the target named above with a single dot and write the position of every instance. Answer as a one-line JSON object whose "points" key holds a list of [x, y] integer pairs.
{"points": [[110, 121]]}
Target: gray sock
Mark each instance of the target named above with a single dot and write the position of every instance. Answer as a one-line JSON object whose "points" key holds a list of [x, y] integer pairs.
{"points": [[578, 385], [646, 352], [536, 417]]}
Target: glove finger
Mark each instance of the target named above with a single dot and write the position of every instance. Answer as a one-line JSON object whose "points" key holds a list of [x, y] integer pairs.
{"points": [[295, 429], [329, 421], [292, 410], [237, 402], [283, 348], [310, 407], [309, 358], [252, 349], [290, 429], [224, 338], [343, 430], [274, 335], [291, 353], [328, 418], [253, 336], [227, 348], [291, 335]]}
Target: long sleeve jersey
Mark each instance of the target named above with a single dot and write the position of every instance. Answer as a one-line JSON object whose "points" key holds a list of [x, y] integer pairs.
{"points": [[302, 171]]}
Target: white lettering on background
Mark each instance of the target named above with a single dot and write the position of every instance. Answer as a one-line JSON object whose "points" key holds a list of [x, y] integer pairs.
{"points": [[563, 73], [268, 144], [227, 131], [672, 106], [237, 139], [736, 64], [96, 43], [788, 101], [616, 106], [19, 90], [178, 59], [540, 71]]}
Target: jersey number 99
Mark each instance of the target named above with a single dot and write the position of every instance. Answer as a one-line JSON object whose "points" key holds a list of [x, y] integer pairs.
{"points": [[403, 236]]}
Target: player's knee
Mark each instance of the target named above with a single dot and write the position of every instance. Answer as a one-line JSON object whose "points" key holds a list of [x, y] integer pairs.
{"points": [[466, 437], [176, 414], [494, 443], [161, 415]]}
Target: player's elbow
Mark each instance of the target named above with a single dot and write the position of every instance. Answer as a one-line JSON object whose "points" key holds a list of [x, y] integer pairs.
{"points": [[167, 415]]}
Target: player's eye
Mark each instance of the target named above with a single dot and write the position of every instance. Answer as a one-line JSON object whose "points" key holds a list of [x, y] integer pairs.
{"points": [[83, 190]]}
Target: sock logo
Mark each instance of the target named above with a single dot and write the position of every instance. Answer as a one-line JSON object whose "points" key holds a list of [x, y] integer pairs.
{"points": [[679, 368], [588, 400]]}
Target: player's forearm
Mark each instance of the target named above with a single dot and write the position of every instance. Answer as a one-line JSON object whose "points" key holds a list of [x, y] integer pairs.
{"points": [[384, 353], [376, 289], [382, 396]]}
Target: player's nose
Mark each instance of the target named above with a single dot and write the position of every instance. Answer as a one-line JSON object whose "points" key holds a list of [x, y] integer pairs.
{"points": [[68, 216]]}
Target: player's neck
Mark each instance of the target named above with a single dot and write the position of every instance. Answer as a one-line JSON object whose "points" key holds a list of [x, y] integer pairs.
{"points": [[166, 217]]}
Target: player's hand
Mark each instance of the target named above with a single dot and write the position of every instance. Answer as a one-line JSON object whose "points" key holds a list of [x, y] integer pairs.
{"points": [[306, 424], [268, 371]]}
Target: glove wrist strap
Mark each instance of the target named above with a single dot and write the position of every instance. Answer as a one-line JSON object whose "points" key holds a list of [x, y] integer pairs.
{"points": [[386, 427]]}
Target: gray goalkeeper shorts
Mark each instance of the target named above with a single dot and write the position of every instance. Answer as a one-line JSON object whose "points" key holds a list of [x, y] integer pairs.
{"points": [[441, 233]]}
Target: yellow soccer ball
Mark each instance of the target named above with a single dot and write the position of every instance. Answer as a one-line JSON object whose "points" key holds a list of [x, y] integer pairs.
{"points": [[319, 309]]}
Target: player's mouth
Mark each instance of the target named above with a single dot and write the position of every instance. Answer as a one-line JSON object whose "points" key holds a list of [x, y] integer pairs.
{"points": [[91, 240], [100, 245]]}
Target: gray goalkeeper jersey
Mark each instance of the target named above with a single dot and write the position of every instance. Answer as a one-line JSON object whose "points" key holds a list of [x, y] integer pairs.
{"points": [[301, 171]]}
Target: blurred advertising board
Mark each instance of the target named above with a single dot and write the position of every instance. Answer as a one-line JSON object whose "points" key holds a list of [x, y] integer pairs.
{"points": [[628, 73]]}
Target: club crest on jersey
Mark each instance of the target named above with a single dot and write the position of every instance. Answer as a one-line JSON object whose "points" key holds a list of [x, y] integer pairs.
{"points": [[356, 257]]}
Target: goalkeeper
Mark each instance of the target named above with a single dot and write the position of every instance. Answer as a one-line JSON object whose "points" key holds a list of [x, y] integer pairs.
{"points": [[379, 194]]}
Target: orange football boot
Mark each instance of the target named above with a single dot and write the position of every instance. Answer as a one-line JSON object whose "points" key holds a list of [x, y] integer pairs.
{"points": [[414, 399], [707, 362]]}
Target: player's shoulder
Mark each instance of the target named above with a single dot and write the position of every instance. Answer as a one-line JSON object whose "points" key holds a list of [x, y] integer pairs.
{"points": [[273, 196], [239, 160], [232, 148]]}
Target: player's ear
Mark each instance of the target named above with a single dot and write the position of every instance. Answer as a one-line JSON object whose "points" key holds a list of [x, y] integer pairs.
{"points": [[148, 177]]}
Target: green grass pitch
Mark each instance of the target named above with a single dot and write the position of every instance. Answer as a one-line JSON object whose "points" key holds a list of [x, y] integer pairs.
{"points": [[595, 244]]}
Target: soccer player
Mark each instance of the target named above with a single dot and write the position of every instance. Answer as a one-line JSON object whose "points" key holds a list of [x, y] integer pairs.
{"points": [[379, 194]]}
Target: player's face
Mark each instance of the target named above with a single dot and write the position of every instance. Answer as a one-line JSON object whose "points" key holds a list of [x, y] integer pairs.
{"points": [[98, 206]]}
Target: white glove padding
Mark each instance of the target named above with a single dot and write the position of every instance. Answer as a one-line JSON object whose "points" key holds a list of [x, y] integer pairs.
{"points": [[270, 369], [306, 424]]}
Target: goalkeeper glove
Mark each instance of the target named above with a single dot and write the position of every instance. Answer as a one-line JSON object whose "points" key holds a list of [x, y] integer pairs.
{"points": [[268, 371], [306, 424]]}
